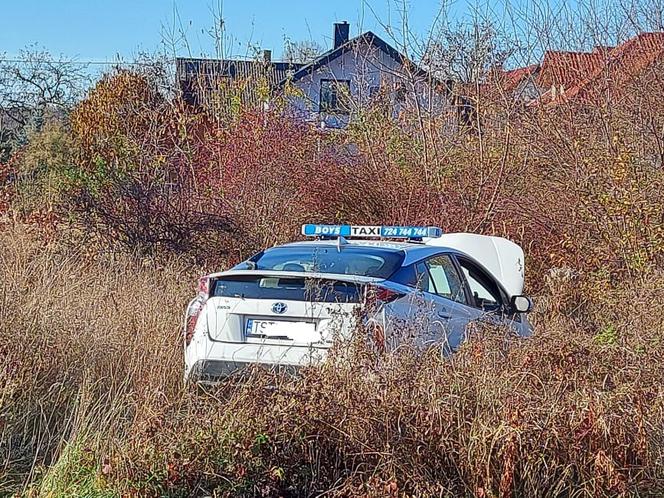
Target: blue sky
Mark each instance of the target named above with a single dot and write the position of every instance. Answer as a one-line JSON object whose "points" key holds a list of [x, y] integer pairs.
{"points": [[102, 30]]}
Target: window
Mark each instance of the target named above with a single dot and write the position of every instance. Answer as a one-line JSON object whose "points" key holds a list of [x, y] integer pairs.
{"points": [[291, 288], [406, 276], [400, 93], [485, 292], [446, 279], [424, 281], [351, 260], [335, 96], [438, 275]]}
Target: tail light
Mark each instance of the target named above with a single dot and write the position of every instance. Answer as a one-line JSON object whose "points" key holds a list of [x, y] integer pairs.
{"points": [[204, 286], [195, 308], [377, 335], [376, 295], [192, 318]]}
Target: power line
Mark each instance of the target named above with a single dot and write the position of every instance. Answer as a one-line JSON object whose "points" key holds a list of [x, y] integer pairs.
{"points": [[82, 63]]}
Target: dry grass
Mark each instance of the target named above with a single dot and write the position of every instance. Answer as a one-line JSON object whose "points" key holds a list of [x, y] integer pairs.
{"points": [[91, 395], [92, 402], [87, 347]]}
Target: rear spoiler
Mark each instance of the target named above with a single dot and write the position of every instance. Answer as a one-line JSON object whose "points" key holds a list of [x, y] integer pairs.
{"points": [[501, 257], [342, 277]]}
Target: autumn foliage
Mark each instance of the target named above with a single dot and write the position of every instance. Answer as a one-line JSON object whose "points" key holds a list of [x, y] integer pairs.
{"points": [[154, 192], [573, 186]]}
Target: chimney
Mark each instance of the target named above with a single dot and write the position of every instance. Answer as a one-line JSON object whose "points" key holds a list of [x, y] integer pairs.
{"points": [[341, 32], [267, 56]]}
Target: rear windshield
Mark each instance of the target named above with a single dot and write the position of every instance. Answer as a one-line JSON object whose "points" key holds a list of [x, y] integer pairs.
{"points": [[289, 288], [349, 260]]}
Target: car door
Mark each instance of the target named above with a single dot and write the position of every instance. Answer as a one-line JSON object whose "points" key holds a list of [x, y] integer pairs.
{"points": [[487, 301], [444, 287]]}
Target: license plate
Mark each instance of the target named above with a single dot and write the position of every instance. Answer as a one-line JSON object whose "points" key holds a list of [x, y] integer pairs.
{"points": [[278, 329]]}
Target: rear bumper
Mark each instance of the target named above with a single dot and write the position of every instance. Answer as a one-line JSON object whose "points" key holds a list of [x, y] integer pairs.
{"points": [[208, 361], [211, 371]]}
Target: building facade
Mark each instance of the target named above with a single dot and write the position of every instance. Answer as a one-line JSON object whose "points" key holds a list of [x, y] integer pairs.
{"points": [[330, 90]]}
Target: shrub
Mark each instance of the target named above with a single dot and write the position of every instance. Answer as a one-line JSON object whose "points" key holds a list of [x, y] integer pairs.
{"points": [[42, 169], [133, 184]]}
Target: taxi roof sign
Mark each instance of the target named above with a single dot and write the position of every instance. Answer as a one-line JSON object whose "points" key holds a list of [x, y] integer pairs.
{"points": [[369, 231]]}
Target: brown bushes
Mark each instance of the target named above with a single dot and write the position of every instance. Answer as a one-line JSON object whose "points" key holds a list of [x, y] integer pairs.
{"points": [[578, 187], [76, 359], [92, 400]]}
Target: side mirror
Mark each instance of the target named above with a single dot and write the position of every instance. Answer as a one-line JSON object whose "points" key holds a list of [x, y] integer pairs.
{"points": [[521, 304]]}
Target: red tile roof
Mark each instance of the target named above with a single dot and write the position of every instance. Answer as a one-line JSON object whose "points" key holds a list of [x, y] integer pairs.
{"points": [[580, 75], [568, 69], [623, 64], [513, 78]]}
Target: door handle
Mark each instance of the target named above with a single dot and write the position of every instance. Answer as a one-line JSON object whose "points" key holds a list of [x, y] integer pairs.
{"points": [[444, 314]]}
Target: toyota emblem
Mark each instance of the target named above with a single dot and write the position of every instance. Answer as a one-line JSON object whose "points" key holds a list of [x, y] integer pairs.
{"points": [[279, 308]]}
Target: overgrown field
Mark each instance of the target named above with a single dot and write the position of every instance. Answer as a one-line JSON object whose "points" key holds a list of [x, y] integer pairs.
{"points": [[109, 214], [93, 404]]}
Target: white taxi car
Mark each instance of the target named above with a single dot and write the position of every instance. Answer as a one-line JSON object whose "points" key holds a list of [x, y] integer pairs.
{"points": [[286, 305]]}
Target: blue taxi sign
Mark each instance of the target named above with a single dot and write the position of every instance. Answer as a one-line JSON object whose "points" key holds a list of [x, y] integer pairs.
{"points": [[379, 231]]}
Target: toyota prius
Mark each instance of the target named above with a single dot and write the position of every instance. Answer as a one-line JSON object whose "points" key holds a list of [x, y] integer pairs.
{"points": [[286, 305]]}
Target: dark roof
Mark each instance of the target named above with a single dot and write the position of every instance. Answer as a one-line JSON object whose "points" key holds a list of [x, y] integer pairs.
{"points": [[199, 79], [235, 69], [196, 76], [365, 39]]}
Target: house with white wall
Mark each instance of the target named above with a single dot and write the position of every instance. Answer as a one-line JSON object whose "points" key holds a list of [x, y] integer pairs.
{"points": [[333, 88]]}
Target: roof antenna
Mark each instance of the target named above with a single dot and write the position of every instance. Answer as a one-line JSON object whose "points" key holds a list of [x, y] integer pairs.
{"points": [[341, 241]]}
